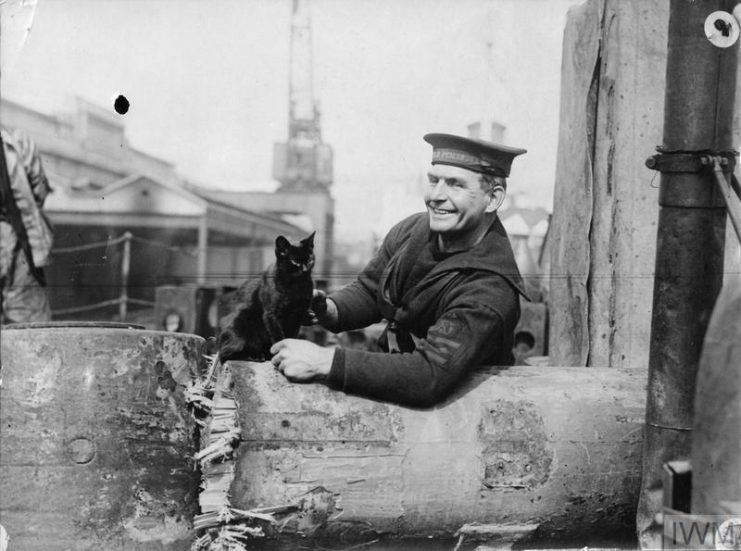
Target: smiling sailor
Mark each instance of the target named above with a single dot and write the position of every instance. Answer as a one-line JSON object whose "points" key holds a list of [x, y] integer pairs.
{"points": [[445, 280]]}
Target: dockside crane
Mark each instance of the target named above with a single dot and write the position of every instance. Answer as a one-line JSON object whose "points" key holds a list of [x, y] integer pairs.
{"points": [[304, 162]]}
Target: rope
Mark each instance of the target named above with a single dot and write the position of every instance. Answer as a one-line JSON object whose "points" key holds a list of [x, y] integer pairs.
{"points": [[193, 251], [190, 251], [86, 246], [160, 244], [98, 305], [87, 307]]}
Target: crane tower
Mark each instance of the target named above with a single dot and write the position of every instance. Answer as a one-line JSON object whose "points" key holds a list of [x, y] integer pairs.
{"points": [[303, 163]]}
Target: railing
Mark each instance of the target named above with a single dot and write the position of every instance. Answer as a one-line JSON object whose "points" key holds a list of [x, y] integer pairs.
{"points": [[123, 299]]}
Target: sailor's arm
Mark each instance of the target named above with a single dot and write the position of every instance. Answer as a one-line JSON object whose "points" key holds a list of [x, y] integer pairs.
{"points": [[426, 376], [355, 305], [473, 324]]}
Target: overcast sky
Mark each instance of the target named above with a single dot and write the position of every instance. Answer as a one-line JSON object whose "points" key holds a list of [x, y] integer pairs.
{"points": [[208, 85]]}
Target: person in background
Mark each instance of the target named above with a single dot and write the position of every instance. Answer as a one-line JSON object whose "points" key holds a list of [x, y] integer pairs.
{"points": [[25, 234], [445, 280]]}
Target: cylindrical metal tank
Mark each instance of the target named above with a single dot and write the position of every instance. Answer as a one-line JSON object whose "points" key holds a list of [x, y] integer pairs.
{"points": [[553, 449], [716, 435], [96, 445]]}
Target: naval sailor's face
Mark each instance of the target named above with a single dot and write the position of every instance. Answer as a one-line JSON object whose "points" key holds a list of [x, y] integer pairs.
{"points": [[455, 201]]}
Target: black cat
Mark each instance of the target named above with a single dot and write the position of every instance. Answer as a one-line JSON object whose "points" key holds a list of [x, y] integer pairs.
{"points": [[266, 310]]}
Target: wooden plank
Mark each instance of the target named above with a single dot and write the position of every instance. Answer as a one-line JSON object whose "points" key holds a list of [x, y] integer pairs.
{"points": [[623, 235], [572, 201]]}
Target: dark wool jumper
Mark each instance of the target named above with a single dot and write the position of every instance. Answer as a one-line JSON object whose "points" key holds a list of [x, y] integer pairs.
{"points": [[451, 312]]}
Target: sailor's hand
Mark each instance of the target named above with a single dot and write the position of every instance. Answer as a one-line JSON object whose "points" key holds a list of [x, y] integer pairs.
{"points": [[325, 310], [309, 318], [319, 303], [302, 361], [318, 309]]}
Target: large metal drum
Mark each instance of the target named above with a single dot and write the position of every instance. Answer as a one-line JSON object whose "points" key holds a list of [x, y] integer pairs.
{"points": [[96, 444]]}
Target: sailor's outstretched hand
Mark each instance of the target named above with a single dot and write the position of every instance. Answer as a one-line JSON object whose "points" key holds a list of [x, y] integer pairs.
{"points": [[302, 361], [324, 310]]}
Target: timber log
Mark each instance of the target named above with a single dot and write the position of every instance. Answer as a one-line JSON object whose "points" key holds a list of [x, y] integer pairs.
{"points": [[552, 451]]}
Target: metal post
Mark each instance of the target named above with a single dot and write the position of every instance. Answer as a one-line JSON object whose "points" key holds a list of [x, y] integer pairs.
{"points": [[202, 250], [698, 115], [125, 264]]}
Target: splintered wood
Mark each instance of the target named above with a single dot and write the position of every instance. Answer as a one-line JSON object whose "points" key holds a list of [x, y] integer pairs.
{"points": [[219, 439], [215, 410], [221, 527]]}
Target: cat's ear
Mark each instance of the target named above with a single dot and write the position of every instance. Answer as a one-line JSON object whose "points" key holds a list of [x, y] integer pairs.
{"points": [[309, 241], [281, 245]]}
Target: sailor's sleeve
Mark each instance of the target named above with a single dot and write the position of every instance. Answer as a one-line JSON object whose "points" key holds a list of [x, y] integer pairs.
{"points": [[473, 324]]}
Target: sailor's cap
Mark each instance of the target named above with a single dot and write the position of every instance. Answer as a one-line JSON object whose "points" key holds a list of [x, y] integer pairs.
{"points": [[471, 154]]}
